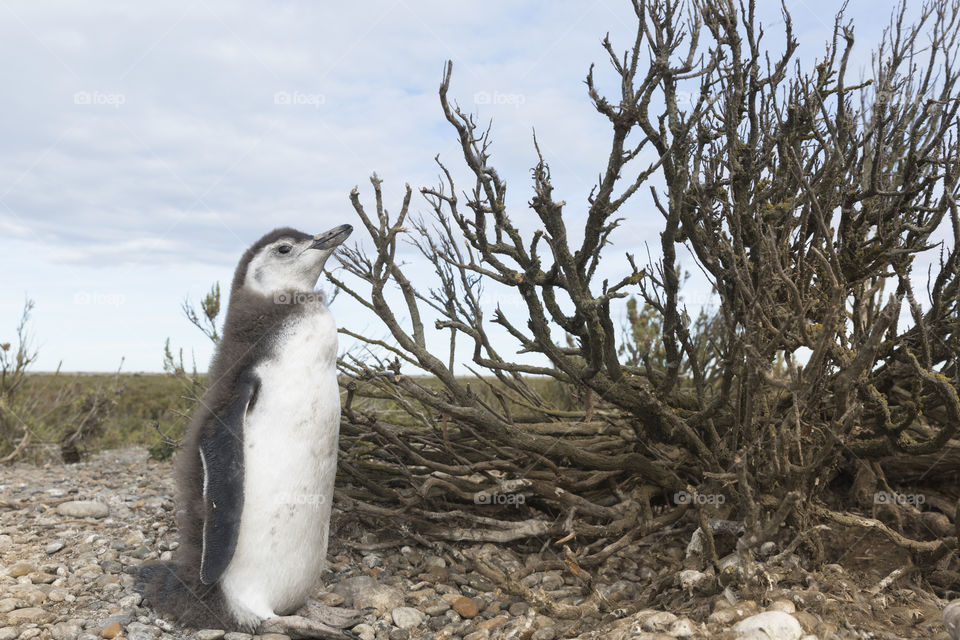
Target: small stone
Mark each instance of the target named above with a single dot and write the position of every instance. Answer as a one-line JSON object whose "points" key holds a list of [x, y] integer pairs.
{"points": [[7, 605], [27, 634], [659, 621], [210, 634], [349, 588], [274, 636], [111, 566], [434, 561], [41, 577], [29, 593], [20, 569], [435, 574], [365, 631], [83, 509], [54, 546], [383, 598], [140, 631], [372, 560], [112, 630], [544, 633], [58, 595], [782, 605], [407, 617], [466, 607], [682, 628], [722, 616], [330, 599], [130, 601], [551, 581], [477, 635], [772, 625], [517, 609], [399, 634], [9, 633], [66, 630], [436, 608], [236, 635], [34, 615], [492, 623], [120, 618]]}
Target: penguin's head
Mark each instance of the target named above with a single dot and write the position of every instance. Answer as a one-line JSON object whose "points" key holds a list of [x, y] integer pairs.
{"points": [[287, 260]]}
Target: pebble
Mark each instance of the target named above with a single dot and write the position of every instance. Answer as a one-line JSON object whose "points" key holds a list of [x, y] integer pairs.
{"points": [[28, 615], [349, 589], [364, 631], [381, 597], [112, 630], [407, 617], [9, 633], [66, 630], [769, 625], [210, 634], [659, 621], [83, 509], [54, 546], [140, 631], [236, 635], [682, 628], [466, 607], [20, 569], [782, 605]]}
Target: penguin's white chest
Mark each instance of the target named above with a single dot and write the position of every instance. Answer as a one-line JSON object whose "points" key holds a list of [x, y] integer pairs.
{"points": [[289, 465]]}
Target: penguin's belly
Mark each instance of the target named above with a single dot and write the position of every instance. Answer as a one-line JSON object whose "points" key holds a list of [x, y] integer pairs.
{"points": [[289, 465]]}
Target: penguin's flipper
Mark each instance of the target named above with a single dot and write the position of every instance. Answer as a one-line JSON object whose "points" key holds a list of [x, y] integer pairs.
{"points": [[221, 454]]}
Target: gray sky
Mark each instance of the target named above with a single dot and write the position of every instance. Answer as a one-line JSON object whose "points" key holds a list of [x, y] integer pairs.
{"points": [[147, 145]]}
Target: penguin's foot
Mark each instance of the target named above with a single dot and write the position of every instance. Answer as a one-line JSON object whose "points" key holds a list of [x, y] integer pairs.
{"points": [[300, 627], [314, 620]]}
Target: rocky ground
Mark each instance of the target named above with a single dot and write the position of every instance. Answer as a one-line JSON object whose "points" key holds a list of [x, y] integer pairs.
{"points": [[71, 538]]}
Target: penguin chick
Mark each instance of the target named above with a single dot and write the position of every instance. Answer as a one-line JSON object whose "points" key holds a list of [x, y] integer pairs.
{"points": [[256, 468]]}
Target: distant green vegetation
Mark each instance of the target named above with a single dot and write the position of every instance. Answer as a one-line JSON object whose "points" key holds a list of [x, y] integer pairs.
{"points": [[145, 407]]}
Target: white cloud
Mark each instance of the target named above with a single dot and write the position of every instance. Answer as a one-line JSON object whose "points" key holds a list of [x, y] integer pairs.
{"points": [[145, 146]]}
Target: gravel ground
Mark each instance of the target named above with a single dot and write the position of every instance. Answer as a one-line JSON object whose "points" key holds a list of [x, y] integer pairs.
{"points": [[71, 538]]}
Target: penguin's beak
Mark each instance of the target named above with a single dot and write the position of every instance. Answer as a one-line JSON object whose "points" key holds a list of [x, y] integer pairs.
{"points": [[332, 238]]}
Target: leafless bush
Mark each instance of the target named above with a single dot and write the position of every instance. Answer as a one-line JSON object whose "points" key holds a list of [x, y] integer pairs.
{"points": [[804, 197]]}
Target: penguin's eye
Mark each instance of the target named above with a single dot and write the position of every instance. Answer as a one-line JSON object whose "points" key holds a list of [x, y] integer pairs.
{"points": [[284, 248]]}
